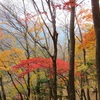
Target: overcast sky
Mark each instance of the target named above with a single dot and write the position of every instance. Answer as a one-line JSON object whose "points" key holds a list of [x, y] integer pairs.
{"points": [[61, 16]]}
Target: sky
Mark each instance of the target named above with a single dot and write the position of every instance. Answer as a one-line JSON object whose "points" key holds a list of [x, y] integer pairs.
{"points": [[61, 15]]}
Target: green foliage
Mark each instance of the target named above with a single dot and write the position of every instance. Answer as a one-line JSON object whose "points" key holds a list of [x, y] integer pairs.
{"points": [[43, 80]]}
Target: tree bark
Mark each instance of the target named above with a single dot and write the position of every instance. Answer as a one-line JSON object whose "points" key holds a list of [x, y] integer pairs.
{"points": [[96, 20], [72, 55]]}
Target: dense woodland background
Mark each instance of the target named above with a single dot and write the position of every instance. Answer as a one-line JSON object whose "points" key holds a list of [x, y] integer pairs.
{"points": [[49, 50]]}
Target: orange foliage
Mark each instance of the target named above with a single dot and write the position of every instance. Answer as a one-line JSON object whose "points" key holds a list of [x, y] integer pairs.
{"points": [[84, 18], [89, 40], [0, 32]]}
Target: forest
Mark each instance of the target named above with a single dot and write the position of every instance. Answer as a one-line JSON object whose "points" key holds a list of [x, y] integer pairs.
{"points": [[49, 49]]}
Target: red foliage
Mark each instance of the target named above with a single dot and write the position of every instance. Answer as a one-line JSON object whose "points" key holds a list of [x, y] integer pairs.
{"points": [[42, 63], [65, 6], [68, 4]]}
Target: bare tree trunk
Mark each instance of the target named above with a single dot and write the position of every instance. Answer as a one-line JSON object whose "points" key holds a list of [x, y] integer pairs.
{"points": [[54, 57], [72, 55], [83, 74], [55, 80], [96, 20]]}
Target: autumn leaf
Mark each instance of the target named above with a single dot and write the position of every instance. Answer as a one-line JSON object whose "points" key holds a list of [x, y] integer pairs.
{"points": [[39, 63]]}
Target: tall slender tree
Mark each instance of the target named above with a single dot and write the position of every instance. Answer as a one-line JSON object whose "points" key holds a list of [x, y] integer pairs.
{"points": [[96, 20], [72, 53]]}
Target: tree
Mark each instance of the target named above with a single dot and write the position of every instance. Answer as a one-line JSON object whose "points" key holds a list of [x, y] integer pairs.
{"points": [[34, 26], [96, 20], [72, 54], [29, 38], [86, 40], [42, 63], [8, 58], [39, 63]]}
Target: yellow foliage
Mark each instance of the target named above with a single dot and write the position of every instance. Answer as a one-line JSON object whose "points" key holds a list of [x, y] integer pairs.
{"points": [[34, 76], [82, 67], [5, 69], [10, 57]]}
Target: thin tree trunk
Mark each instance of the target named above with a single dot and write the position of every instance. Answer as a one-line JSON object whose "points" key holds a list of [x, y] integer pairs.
{"points": [[38, 86], [88, 91], [15, 86], [72, 55], [54, 57], [28, 86], [96, 94], [2, 88], [84, 62], [96, 20], [83, 95], [82, 79], [55, 37], [0, 96], [55, 80]]}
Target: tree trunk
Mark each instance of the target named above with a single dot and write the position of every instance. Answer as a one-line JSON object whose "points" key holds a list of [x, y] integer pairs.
{"points": [[0, 96], [15, 86], [54, 57], [2, 88], [88, 90], [96, 20], [96, 94], [55, 80], [83, 95], [83, 74], [38, 86], [28, 86], [55, 37], [72, 55]]}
